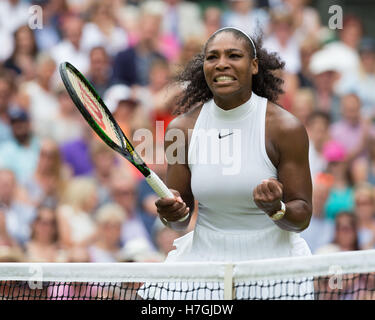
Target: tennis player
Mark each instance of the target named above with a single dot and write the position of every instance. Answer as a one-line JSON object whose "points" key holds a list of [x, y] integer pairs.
{"points": [[258, 212]]}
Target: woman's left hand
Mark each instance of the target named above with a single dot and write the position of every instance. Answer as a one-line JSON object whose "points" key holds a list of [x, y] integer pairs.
{"points": [[267, 196]]}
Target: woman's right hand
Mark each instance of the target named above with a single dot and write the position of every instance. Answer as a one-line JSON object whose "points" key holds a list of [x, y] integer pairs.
{"points": [[172, 209]]}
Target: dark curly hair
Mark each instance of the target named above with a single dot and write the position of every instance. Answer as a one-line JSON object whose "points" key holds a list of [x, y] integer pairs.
{"points": [[266, 82]]}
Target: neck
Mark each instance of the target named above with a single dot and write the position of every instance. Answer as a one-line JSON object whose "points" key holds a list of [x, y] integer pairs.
{"points": [[230, 103], [43, 242], [103, 176], [107, 246], [44, 84]]}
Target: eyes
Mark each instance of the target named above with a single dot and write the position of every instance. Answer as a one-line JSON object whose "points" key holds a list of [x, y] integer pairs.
{"points": [[233, 56]]}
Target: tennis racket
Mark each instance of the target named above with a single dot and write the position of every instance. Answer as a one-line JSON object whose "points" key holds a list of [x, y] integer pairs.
{"points": [[93, 109]]}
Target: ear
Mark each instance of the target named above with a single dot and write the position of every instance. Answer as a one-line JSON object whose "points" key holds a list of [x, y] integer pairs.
{"points": [[254, 66]]}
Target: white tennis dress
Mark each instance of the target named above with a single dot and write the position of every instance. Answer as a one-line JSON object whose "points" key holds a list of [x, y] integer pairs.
{"points": [[225, 170]]}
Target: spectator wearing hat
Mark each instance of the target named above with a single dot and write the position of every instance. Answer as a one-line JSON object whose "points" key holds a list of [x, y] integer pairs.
{"points": [[341, 195], [325, 74], [22, 152], [344, 52], [123, 104]]}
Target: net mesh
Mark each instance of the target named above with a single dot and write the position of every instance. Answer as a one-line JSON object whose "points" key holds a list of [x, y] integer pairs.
{"points": [[340, 276]]}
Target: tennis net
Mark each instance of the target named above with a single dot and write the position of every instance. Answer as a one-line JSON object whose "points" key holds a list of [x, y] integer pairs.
{"points": [[339, 276]]}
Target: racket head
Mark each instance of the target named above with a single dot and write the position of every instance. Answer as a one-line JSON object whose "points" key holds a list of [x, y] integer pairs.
{"points": [[96, 113]]}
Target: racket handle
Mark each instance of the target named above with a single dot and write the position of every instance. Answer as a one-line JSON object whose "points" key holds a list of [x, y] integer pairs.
{"points": [[160, 188]]}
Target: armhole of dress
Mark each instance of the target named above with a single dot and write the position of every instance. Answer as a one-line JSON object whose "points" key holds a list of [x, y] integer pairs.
{"points": [[269, 163], [192, 141]]}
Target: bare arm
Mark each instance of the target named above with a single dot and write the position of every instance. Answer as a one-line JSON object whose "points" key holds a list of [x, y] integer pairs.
{"points": [[294, 174], [290, 140], [178, 178]]}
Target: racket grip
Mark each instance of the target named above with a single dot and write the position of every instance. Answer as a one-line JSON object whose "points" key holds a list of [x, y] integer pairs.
{"points": [[158, 185], [160, 188]]}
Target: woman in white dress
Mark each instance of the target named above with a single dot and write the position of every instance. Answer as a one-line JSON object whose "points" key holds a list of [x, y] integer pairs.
{"points": [[252, 204]]}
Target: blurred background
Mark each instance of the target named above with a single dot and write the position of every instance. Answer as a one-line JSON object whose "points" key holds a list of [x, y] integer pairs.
{"points": [[66, 197]]}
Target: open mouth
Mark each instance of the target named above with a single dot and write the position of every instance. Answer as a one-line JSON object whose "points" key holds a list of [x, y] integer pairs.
{"points": [[224, 79]]}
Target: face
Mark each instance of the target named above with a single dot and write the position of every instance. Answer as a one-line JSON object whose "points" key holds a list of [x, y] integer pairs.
{"points": [[159, 76], [346, 232], [99, 62], [212, 19], [25, 41], [283, 31], [325, 81], [91, 202], [302, 107], [351, 34], [66, 105], [73, 31], [228, 68], [104, 161], [368, 61], [124, 193], [149, 28], [21, 130], [45, 226], [111, 232], [364, 206], [49, 156], [242, 6], [46, 70], [319, 198], [350, 108], [318, 131]]}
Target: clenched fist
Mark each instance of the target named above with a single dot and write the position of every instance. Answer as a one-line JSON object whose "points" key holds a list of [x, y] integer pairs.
{"points": [[172, 209], [267, 196]]}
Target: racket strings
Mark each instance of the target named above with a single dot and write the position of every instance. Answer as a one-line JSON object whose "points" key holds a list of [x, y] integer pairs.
{"points": [[95, 109]]}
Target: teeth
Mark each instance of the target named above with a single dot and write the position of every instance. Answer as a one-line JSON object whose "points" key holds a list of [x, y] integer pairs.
{"points": [[224, 78]]}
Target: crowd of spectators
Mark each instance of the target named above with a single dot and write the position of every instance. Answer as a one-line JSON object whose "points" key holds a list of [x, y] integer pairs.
{"points": [[66, 197]]}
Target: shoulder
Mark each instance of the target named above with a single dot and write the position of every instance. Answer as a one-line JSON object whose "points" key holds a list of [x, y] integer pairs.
{"points": [[285, 133], [125, 54], [187, 120], [282, 123]]}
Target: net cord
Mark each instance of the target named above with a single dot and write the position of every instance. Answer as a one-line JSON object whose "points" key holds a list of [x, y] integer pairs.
{"points": [[268, 269]]}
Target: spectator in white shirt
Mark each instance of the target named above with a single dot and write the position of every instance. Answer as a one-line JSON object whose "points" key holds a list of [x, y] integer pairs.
{"points": [[283, 41], [71, 48], [43, 104]]}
